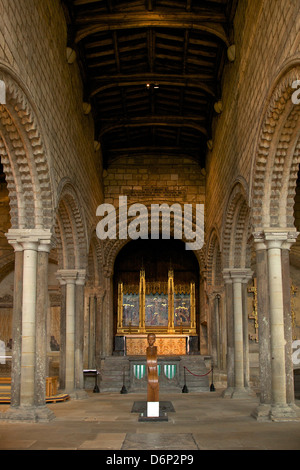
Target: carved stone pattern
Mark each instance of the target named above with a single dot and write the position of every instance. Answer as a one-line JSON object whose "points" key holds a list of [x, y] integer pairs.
{"points": [[30, 189], [281, 168]]}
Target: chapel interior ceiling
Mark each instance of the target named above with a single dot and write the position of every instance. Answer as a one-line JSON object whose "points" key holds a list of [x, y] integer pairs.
{"points": [[152, 72]]}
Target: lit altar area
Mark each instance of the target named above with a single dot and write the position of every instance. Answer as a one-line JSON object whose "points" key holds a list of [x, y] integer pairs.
{"points": [[163, 308], [156, 291]]}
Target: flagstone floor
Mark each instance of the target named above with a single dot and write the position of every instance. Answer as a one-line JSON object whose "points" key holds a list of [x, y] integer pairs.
{"points": [[105, 421]]}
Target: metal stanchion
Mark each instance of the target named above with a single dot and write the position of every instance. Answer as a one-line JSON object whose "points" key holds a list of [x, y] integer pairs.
{"points": [[123, 389], [212, 387], [96, 388], [185, 389]]}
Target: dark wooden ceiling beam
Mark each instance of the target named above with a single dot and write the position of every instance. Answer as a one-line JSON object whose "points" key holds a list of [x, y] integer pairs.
{"points": [[105, 83], [209, 22], [163, 121]]}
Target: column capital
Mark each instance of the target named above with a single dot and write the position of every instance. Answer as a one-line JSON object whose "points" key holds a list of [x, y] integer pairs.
{"points": [[226, 276], [31, 239], [274, 238], [237, 275], [67, 276], [81, 277]]}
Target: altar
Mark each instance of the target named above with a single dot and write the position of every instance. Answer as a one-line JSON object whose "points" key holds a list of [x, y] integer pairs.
{"points": [[167, 345], [164, 308]]}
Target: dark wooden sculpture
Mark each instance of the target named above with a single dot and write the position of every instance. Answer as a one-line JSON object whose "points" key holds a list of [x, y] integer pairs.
{"points": [[153, 386]]}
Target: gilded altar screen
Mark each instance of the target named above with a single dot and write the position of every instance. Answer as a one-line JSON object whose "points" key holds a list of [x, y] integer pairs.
{"points": [[131, 309], [156, 310], [182, 309]]}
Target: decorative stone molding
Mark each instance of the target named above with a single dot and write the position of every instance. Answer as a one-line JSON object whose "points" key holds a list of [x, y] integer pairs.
{"points": [[277, 158], [70, 230], [24, 160], [236, 231]]}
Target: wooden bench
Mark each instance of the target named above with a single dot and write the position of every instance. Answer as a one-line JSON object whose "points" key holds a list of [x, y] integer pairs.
{"points": [[51, 385], [5, 381]]}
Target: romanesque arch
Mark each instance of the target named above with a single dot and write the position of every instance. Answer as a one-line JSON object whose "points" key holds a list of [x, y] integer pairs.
{"points": [[236, 273], [215, 295], [277, 157], [71, 246], [26, 166], [273, 189], [70, 229], [24, 158]]}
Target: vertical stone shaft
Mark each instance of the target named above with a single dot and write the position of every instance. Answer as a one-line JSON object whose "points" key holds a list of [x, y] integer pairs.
{"points": [[28, 324], [17, 328]]}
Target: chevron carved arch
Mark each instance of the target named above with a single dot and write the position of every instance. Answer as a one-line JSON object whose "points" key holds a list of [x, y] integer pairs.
{"points": [[277, 158], [236, 229], [24, 159], [70, 230]]}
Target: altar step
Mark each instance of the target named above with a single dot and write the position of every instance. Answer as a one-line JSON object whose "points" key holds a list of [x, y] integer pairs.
{"points": [[116, 372], [115, 369]]}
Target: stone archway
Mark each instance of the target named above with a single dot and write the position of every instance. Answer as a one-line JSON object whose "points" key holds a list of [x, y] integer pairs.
{"points": [[109, 251], [236, 273], [26, 166], [71, 237], [274, 177], [215, 295]]}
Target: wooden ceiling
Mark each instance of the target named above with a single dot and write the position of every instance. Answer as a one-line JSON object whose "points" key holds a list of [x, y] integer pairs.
{"points": [[152, 71]]}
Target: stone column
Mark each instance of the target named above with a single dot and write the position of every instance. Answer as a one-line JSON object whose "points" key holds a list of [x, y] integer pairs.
{"points": [[79, 333], [264, 335], [229, 329], [41, 323], [238, 334], [107, 314], [287, 315], [275, 242], [92, 331], [68, 278], [27, 404], [245, 281], [239, 277], [215, 328], [17, 327], [99, 325]]}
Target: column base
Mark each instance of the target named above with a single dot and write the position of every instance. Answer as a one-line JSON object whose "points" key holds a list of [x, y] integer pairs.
{"points": [[78, 394], [227, 392], [268, 412], [238, 392], [284, 413], [29, 414], [262, 412]]}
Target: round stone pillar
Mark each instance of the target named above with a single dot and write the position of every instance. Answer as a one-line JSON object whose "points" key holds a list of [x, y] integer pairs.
{"points": [[68, 278], [229, 331], [73, 281], [29, 325], [264, 336], [107, 314], [239, 327], [276, 242], [273, 296]]}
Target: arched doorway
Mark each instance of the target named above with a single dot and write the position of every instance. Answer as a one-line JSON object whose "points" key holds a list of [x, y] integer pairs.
{"points": [[156, 258]]}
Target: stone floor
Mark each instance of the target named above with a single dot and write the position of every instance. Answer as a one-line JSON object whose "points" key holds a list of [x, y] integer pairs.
{"points": [[105, 421]]}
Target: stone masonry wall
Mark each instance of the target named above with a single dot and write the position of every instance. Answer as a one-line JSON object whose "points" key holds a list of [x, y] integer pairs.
{"points": [[148, 179], [33, 40], [266, 36]]}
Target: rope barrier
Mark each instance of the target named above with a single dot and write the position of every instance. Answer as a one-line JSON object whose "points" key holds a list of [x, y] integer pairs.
{"points": [[211, 388], [196, 375]]}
